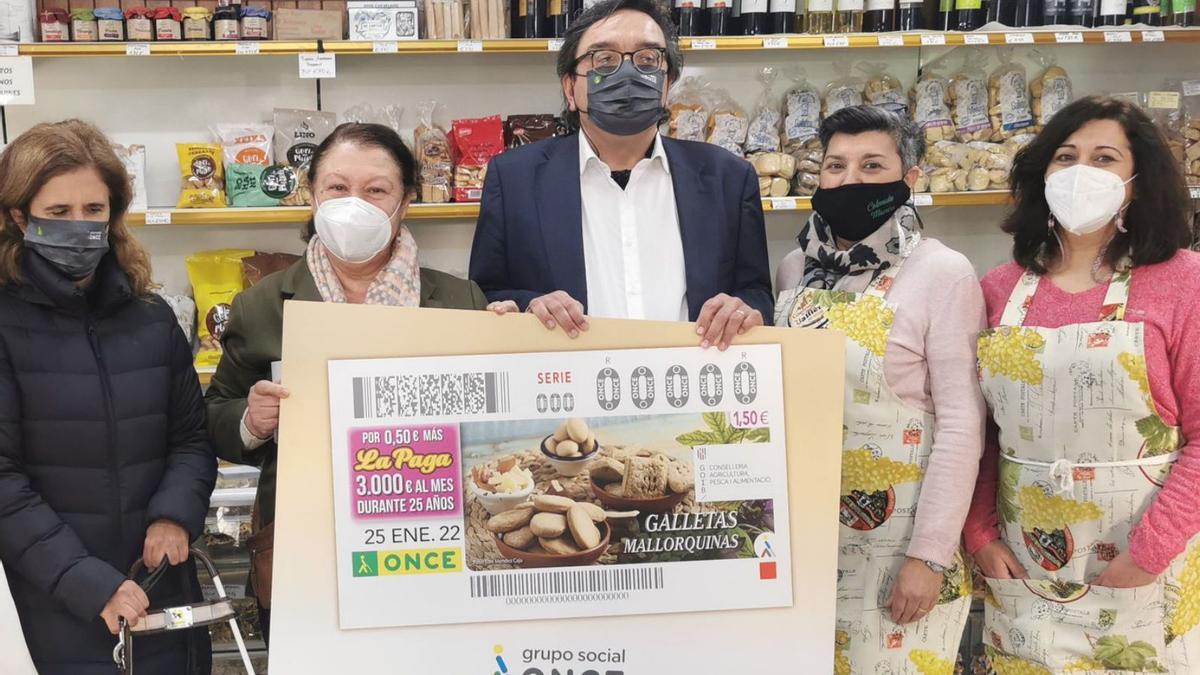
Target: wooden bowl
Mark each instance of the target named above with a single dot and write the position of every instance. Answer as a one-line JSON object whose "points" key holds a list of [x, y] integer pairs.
{"points": [[613, 502], [581, 559]]}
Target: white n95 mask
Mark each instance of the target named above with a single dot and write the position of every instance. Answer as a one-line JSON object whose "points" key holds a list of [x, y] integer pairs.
{"points": [[354, 230], [1083, 198]]}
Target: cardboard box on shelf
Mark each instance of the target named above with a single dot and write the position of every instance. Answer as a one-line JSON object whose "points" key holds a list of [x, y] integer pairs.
{"points": [[388, 20], [307, 24]]}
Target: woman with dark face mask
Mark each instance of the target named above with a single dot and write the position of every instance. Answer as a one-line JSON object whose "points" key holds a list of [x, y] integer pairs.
{"points": [[911, 310], [104, 456]]}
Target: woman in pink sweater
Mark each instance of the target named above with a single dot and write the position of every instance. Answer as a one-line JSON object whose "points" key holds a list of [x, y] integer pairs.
{"points": [[1087, 505]]}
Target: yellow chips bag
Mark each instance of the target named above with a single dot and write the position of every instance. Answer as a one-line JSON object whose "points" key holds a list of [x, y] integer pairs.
{"points": [[216, 278], [202, 176]]}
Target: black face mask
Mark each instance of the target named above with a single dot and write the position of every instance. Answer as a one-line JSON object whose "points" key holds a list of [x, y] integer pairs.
{"points": [[853, 212]]}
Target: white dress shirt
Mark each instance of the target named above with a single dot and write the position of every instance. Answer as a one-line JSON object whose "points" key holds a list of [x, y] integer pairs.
{"points": [[632, 248]]}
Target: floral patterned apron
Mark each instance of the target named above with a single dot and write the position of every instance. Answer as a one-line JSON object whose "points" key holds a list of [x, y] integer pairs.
{"points": [[1083, 454], [886, 448]]}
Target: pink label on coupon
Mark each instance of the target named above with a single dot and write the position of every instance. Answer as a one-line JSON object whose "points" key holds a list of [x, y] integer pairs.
{"points": [[405, 472]]}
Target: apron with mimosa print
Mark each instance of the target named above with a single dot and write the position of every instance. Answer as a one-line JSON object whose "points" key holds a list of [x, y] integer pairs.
{"points": [[1083, 454], [886, 448]]}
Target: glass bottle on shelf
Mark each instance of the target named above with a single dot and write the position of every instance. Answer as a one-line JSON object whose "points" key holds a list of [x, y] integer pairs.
{"points": [[947, 16], [557, 18], [1003, 12], [820, 17], [1083, 13], [1112, 13], [849, 16], [537, 21], [783, 16], [755, 19], [689, 17], [720, 17], [1183, 13], [970, 14], [880, 16], [1056, 13], [911, 15], [517, 11], [1148, 12], [1029, 13]]}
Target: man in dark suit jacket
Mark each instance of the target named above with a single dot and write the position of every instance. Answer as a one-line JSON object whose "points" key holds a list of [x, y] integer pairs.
{"points": [[616, 220]]}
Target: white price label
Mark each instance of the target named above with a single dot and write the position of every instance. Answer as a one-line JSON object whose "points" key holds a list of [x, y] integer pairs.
{"points": [[933, 40], [837, 41], [385, 48], [554, 45], [470, 46], [775, 43], [1191, 88], [16, 84], [1153, 36], [1163, 100], [9, 50], [1074, 37], [1118, 36], [1195, 192], [704, 44], [247, 48], [1018, 38], [783, 203], [922, 200], [318, 66], [891, 40], [137, 49], [977, 39], [158, 217]]}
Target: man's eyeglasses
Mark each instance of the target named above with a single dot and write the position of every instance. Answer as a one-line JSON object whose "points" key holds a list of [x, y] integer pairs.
{"points": [[607, 61]]}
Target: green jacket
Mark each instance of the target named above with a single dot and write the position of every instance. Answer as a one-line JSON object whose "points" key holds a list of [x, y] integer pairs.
{"points": [[253, 339]]}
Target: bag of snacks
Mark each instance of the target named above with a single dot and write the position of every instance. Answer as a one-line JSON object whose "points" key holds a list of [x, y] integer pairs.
{"points": [[261, 265], [389, 116], [216, 278], [476, 142], [1051, 89], [246, 150], [727, 125], [931, 103], [802, 104], [1008, 97], [525, 129], [134, 159], [844, 91], [297, 135], [1165, 109], [434, 160], [764, 126], [202, 176], [969, 97], [184, 309], [688, 111], [883, 90], [1191, 131]]}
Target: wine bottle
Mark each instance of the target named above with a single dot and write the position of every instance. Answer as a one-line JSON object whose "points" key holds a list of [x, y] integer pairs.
{"points": [[820, 17], [689, 17], [783, 16], [970, 14], [720, 17], [1083, 13], [947, 18], [755, 18], [849, 16], [1003, 12], [1112, 13], [1148, 12], [1029, 13], [880, 16], [1183, 12], [1056, 12], [911, 15], [518, 10], [557, 18], [537, 20]]}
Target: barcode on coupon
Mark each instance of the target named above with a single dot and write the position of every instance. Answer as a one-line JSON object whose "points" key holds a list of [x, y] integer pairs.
{"points": [[431, 395], [565, 582]]}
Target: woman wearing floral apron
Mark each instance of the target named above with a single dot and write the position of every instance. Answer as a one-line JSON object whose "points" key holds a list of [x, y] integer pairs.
{"points": [[1088, 502], [911, 310]]}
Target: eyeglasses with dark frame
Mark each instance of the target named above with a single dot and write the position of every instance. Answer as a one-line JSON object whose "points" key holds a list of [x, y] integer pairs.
{"points": [[648, 60]]}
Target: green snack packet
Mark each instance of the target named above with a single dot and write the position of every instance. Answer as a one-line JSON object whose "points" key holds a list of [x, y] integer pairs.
{"points": [[251, 185]]}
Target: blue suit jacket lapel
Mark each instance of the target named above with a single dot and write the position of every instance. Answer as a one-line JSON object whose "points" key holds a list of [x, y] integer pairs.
{"points": [[697, 224], [560, 215]]}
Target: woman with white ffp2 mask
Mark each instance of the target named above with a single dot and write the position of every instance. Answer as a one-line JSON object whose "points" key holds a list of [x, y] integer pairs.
{"points": [[1086, 524]]}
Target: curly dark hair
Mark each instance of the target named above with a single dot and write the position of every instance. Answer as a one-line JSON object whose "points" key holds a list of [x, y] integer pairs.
{"points": [[1158, 217]]}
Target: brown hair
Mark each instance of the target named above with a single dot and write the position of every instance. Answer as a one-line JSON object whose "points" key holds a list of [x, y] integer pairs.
{"points": [[49, 150]]}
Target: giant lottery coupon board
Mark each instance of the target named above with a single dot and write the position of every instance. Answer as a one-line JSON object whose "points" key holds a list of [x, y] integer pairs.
{"points": [[533, 504]]}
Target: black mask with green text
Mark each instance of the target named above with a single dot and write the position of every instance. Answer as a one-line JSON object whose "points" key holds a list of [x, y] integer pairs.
{"points": [[855, 211]]}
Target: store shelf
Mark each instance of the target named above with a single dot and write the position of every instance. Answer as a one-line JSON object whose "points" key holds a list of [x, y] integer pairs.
{"points": [[249, 216], [521, 46]]}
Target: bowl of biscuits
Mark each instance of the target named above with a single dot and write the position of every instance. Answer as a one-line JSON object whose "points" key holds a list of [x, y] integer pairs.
{"points": [[642, 480], [501, 484], [571, 447], [552, 531]]}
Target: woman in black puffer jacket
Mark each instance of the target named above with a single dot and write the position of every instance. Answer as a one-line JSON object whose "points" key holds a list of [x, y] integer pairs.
{"points": [[104, 458]]}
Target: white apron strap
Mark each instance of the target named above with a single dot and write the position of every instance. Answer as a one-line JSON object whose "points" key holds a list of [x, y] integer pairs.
{"points": [[1115, 299], [882, 283], [1117, 296]]}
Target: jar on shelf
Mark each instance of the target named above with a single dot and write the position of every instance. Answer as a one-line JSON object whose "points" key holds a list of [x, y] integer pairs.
{"points": [[168, 23], [138, 24], [54, 24], [226, 23], [197, 23], [110, 24], [83, 25], [256, 23]]}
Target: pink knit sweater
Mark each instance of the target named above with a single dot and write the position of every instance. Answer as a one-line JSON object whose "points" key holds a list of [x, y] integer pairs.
{"points": [[1166, 298]]}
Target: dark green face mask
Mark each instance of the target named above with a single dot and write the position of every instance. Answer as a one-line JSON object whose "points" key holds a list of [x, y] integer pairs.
{"points": [[75, 247]]}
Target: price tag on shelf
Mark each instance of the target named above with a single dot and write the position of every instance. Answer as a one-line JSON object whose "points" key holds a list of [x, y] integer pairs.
{"points": [[891, 40], [922, 200], [837, 41], [1073, 37], [933, 40], [554, 45], [775, 43], [9, 50], [137, 49], [782, 203], [1018, 38], [1191, 88], [704, 44], [318, 66], [977, 39], [470, 46], [385, 48], [1153, 36], [158, 217], [1118, 36], [1163, 100], [247, 48]]}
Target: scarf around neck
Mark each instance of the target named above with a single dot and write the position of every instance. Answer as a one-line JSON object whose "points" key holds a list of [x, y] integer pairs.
{"points": [[398, 284], [826, 266]]}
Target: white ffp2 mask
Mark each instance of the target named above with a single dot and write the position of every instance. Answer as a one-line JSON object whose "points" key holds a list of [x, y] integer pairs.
{"points": [[354, 230], [1083, 198]]}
